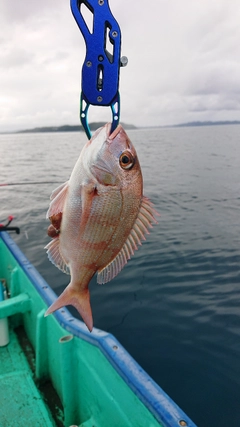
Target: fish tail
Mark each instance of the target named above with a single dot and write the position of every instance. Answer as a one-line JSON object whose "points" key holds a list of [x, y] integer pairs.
{"points": [[79, 299]]}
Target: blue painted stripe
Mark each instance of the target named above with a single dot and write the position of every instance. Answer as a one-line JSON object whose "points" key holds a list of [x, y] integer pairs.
{"points": [[153, 397]]}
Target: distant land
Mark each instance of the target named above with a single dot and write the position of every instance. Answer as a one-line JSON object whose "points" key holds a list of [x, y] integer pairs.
{"points": [[70, 128], [219, 123], [95, 125]]}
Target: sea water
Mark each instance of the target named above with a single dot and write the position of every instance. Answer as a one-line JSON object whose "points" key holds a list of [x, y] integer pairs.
{"points": [[176, 305]]}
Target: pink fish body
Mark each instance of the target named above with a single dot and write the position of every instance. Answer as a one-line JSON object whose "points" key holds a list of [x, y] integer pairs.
{"points": [[104, 217]]}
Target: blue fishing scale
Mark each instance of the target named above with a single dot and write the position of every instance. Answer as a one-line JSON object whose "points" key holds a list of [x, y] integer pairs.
{"points": [[100, 70]]}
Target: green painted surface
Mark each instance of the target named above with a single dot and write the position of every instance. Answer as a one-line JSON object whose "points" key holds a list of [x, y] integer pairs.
{"points": [[14, 305], [90, 389], [21, 402]]}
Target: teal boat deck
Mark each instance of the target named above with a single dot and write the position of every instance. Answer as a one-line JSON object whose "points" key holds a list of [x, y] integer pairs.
{"points": [[22, 403], [54, 372]]}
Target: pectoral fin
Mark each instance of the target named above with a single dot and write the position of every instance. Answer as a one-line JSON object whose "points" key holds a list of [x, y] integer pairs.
{"points": [[57, 198], [79, 299], [58, 190]]}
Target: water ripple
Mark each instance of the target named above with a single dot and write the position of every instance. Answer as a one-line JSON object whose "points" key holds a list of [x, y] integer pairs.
{"points": [[176, 305]]}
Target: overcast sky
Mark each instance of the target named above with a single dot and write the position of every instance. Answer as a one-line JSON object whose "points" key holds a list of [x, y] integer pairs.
{"points": [[184, 62]]}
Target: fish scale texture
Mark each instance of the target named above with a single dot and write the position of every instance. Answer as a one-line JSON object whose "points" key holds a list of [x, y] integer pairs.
{"points": [[104, 217], [102, 223]]}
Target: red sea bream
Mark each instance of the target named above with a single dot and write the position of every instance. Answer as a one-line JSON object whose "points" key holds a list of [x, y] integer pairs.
{"points": [[99, 217]]}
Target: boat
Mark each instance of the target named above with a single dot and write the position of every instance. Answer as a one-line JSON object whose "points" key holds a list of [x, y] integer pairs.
{"points": [[55, 373]]}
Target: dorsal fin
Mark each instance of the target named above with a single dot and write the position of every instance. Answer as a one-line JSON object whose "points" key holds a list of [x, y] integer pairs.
{"points": [[57, 198], [55, 256], [144, 221]]}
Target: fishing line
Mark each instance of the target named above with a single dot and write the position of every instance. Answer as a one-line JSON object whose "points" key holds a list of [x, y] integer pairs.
{"points": [[29, 183]]}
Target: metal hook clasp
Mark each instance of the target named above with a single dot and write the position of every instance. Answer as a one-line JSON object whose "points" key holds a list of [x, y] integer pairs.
{"points": [[100, 70], [84, 106]]}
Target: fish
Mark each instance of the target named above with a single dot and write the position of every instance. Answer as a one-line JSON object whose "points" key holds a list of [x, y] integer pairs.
{"points": [[99, 217]]}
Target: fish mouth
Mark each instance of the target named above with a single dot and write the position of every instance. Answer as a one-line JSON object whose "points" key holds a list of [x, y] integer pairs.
{"points": [[120, 135], [109, 136], [116, 131], [100, 167]]}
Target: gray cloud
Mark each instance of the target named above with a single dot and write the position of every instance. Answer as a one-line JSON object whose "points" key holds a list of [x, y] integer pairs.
{"points": [[183, 62], [22, 11], [15, 57]]}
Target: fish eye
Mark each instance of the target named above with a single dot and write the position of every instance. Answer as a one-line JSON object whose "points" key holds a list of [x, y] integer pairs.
{"points": [[126, 160]]}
